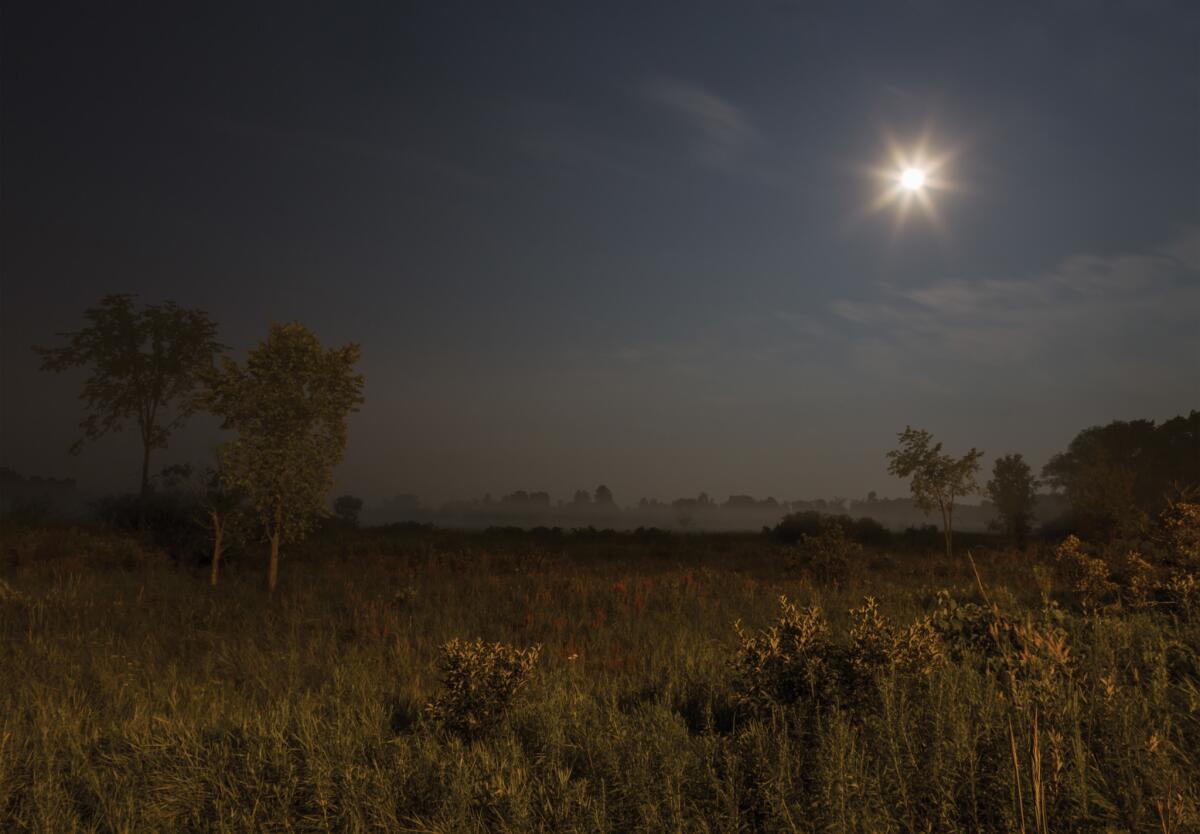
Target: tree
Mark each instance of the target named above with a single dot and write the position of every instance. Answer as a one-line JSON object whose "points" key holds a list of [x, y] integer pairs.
{"points": [[1013, 490], [1119, 476], [936, 479], [146, 365], [604, 496], [347, 508], [288, 405], [582, 496]]}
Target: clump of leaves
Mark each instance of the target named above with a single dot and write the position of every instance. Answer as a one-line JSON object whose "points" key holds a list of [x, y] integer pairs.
{"points": [[788, 662], [1136, 580], [1089, 575], [795, 660], [876, 645], [1037, 657], [1180, 529], [480, 682], [1183, 594], [963, 626]]}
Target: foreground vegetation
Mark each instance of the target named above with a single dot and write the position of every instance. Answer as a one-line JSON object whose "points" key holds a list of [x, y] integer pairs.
{"points": [[1048, 694]]}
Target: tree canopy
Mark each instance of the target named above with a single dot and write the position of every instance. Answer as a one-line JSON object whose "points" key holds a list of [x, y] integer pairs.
{"points": [[1119, 475], [936, 479], [1013, 490], [288, 405], [146, 366]]}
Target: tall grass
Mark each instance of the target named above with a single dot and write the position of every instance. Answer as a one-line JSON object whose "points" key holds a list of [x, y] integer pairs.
{"points": [[134, 697]]}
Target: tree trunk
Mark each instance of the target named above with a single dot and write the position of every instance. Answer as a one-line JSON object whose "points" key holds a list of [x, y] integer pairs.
{"points": [[145, 493], [145, 471], [950, 532], [218, 546], [273, 570]]}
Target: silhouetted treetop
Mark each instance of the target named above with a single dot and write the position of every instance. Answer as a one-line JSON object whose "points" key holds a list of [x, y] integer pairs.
{"points": [[1118, 475], [144, 365]]}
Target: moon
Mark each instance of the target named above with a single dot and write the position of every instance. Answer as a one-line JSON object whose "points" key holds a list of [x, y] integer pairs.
{"points": [[912, 179]]}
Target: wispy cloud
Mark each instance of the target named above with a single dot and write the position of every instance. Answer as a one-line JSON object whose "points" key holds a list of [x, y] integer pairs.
{"points": [[723, 131], [1128, 304]]}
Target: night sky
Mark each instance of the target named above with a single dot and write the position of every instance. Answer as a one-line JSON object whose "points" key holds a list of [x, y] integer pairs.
{"points": [[615, 243]]}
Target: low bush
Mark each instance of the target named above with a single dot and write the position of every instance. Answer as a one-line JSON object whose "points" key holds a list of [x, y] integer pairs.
{"points": [[795, 526], [829, 554], [480, 682], [796, 661]]}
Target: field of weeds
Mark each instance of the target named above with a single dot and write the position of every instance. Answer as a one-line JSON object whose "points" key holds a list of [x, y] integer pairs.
{"points": [[641, 683]]}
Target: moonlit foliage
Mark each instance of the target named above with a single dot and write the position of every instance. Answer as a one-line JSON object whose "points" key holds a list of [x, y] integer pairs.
{"points": [[937, 479], [289, 405]]}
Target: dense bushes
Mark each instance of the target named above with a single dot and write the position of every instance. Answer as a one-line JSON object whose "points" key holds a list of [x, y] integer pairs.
{"points": [[796, 661], [864, 531], [174, 522], [479, 684]]}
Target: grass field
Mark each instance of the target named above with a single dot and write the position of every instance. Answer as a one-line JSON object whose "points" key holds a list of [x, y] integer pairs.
{"points": [[134, 697]]}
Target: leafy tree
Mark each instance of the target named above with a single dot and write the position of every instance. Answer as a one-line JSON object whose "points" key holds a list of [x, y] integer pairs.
{"points": [[604, 496], [347, 508], [146, 365], [936, 479], [1119, 476], [582, 496], [1013, 490], [288, 405]]}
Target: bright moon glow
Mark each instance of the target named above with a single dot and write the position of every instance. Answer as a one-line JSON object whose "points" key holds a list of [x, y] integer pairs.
{"points": [[912, 178]]}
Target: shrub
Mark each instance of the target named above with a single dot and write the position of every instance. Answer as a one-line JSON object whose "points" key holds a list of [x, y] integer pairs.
{"points": [[795, 660], [963, 626], [1089, 575], [829, 553], [1136, 580], [788, 662], [878, 646], [1183, 594], [795, 526], [1180, 527], [1037, 657], [173, 521], [481, 681]]}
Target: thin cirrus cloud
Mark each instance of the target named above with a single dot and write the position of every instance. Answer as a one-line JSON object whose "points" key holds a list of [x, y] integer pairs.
{"points": [[723, 131], [1144, 302]]}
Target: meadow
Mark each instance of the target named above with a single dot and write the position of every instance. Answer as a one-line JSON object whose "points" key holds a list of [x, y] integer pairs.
{"points": [[673, 690]]}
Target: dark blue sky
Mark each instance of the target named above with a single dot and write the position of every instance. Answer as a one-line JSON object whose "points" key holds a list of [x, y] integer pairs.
{"points": [[620, 243]]}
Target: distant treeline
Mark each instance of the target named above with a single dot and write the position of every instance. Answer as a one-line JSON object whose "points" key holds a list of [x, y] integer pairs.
{"points": [[35, 498], [737, 512], [1109, 480]]}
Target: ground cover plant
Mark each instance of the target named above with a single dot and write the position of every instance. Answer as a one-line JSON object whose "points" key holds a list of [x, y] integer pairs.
{"points": [[424, 680]]}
